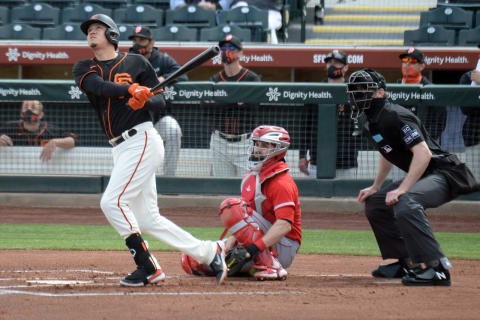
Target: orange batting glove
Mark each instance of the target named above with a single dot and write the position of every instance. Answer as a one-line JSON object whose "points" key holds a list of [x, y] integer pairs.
{"points": [[139, 92], [135, 104]]}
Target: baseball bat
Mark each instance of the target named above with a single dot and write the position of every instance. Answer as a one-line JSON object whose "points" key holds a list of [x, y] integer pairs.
{"points": [[189, 66]]}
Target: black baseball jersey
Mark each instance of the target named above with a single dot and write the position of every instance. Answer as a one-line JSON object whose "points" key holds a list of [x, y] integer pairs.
{"points": [[394, 130], [46, 131], [234, 118], [106, 84]]}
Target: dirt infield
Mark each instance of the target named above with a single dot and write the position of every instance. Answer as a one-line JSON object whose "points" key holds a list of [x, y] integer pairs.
{"points": [[84, 285]]}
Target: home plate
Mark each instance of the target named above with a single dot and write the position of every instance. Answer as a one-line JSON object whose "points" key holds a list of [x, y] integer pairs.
{"points": [[60, 282]]}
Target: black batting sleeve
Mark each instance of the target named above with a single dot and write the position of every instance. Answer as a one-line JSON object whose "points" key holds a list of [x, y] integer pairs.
{"points": [[92, 83]]}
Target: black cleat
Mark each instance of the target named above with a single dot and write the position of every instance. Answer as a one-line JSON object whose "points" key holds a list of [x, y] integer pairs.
{"points": [[429, 277], [218, 265], [391, 270], [140, 277], [394, 270]]}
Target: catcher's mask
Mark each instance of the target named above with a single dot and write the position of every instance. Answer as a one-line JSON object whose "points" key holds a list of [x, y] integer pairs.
{"points": [[261, 157], [361, 86]]}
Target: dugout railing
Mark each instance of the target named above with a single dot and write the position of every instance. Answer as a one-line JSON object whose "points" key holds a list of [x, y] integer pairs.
{"points": [[314, 114]]}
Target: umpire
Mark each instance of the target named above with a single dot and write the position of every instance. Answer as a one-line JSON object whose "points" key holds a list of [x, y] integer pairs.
{"points": [[396, 211]]}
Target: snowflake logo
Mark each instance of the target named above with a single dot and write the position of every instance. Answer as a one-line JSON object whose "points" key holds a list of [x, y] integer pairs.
{"points": [[217, 59], [273, 94], [74, 92], [169, 93], [12, 54]]}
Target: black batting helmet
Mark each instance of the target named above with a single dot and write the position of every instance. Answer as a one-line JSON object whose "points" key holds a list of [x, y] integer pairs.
{"points": [[361, 86], [112, 33]]}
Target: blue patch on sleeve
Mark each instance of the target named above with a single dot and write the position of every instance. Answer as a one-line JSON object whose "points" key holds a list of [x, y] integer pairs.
{"points": [[378, 137]]}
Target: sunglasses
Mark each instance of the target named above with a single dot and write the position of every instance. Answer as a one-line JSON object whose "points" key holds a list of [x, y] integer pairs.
{"points": [[230, 47], [410, 60]]}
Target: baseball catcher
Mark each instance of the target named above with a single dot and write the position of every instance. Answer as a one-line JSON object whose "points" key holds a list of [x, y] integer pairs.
{"points": [[265, 223]]}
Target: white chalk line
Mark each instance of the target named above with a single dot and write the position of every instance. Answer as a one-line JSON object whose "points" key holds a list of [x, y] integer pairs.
{"points": [[51, 271], [140, 293]]}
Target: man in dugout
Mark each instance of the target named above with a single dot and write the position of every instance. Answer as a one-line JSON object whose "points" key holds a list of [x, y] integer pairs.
{"points": [[32, 130]]}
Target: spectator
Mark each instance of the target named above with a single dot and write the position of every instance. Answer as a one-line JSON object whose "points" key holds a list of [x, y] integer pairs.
{"points": [[433, 117], [471, 127], [274, 16], [233, 122], [209, 5], [347, 145], [32, 130], [164, 65]]}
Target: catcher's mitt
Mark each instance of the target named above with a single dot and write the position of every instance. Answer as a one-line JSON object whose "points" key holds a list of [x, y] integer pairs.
{"points": [[236, 259]]}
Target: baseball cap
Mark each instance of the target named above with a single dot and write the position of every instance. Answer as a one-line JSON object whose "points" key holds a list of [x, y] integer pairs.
{"points": [[337, 55], [230, 38], [142, 32], [413, 53]]}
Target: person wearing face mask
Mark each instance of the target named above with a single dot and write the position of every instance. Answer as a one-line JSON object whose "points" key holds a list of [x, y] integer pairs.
{"points": [[164, 120], [32, 130], [433, 117], [336, 66], [396, 211], [231, 122]]}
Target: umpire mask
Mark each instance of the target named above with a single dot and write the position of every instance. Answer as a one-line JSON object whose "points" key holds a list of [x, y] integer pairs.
{"points": [[361, 87]]}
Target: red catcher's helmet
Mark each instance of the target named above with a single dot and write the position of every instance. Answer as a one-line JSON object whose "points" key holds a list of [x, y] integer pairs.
{"points": [[277, 136]]}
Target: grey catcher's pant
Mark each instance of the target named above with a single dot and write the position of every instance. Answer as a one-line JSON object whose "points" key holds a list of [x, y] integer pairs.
{"points": [[403, 230]]}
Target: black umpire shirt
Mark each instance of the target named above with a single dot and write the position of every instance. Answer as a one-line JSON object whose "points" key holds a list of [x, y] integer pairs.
{"points": [[46, 132], [394, 130], [106, 84]]}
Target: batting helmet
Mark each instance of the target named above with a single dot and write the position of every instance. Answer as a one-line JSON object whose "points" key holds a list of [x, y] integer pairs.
{"points": [[361, 86], [112, 33], [277, 136]]}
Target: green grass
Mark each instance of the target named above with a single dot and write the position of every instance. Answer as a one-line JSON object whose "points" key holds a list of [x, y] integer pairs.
{"points": [[74, 237]]}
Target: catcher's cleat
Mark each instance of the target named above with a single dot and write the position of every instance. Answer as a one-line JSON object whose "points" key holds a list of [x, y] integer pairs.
{"points": [[275, 272], [218, 264], [438, 276], [141, 277], [393, 270]]}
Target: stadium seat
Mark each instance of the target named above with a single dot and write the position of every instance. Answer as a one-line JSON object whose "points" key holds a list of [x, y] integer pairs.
{"points": [[67, 31], [19, 31], [125, 31], [447, 17], [159, 4], [191, 15], [477, 19], [112, 4], [4, 11], [139, 14], [429, 36], [247, 17], [57, 3], [220, 32], [469, 37], [175, 33], [83, 12], [11, 3], [36, 14]]}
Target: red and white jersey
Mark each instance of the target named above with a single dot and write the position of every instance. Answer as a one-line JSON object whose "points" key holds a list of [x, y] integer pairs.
{"points": [[273, 193]]}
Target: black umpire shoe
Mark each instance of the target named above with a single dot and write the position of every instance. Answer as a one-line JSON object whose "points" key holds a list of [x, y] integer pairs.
{"points": [[141, 277], [394, 270], [218, 264], [437, 276]]}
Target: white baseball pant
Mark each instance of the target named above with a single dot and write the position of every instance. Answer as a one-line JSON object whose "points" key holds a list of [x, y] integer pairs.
{"points": [[130, 199]]}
